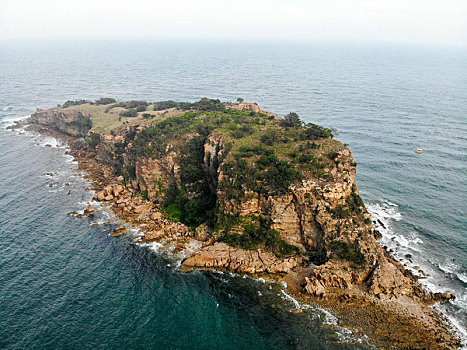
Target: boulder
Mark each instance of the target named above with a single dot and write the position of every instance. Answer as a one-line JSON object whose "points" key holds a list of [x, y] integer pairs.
{"points": [[89, 210], [116, 190], [118, 231], [314, 287]]}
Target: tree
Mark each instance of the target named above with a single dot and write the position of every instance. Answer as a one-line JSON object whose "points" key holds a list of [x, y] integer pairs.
{"points": [[291, 120], [240, 100]]}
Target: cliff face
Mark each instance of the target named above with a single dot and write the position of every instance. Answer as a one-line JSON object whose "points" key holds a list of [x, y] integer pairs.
{"points": [[70, 123]]}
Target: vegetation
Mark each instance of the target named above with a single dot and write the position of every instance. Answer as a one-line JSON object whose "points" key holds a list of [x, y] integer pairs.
{"points": [[315, 132], [93, 140], [105, 101], [160, 106], [333, 155], [192, 210], [291, 120], [350, 252], [132, 104], [354, 201], [258, 231], [74, 103], [205, 104], [131, 113]]}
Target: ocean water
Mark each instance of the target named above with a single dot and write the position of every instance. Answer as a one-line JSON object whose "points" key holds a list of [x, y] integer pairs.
{"points": [[64, 283]]}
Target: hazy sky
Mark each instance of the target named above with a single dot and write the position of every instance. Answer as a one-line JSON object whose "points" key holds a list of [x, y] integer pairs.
{"points": [[415, 21]]}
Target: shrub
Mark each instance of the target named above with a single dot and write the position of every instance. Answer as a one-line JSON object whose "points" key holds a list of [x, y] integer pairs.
{"points": [[148, 115], [105, 101], [333, 155], [242, 131], [75, 103], [159, 106], [340, 212], [308, 145], [206, 104], [293, 154], [348, 252], [140, 108], [258, 231], [354, 201], [291, 120], [314, 132], [93, 140], [269, 137], [131, 113], [306, 158]]}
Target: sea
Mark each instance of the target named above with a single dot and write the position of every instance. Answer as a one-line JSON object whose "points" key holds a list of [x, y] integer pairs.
{"points": [[65, 284]]}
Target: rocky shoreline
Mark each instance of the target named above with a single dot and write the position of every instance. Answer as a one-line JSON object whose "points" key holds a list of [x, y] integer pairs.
{"points": [[381, 300]]}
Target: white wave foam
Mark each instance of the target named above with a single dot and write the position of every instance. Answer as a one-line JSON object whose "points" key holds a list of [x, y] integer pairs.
{"points": [[462, 276], [9, 121], [49, 141], [290, 298], [407, 247], [449, 266]]}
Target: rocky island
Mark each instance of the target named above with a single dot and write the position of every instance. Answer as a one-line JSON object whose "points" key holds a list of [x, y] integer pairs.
{"points": [[231, 187]]}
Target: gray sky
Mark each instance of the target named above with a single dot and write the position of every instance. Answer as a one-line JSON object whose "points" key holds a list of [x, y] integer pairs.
{"points": [[438, 22]]}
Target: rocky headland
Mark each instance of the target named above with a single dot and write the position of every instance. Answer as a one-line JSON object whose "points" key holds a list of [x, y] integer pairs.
{"points": [[234, 188]]}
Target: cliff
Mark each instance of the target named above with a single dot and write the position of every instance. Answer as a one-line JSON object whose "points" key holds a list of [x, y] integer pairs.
{"points": [[242, 190], [69, 123]]}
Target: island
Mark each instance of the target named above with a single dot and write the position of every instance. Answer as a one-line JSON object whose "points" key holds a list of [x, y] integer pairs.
{"points": [[231, 187]]}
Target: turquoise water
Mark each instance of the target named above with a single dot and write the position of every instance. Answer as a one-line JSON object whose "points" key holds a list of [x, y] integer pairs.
{"points": [[65, 284]]}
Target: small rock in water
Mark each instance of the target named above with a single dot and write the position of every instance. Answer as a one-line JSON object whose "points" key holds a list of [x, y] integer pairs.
{"points": [[89, 210], [296, 311], [118, 231]]}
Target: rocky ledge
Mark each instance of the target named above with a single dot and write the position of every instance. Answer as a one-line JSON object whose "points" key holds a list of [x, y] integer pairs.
{"points": [[242, 190]]}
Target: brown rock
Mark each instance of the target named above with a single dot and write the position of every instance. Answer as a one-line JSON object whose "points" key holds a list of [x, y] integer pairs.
{"points": [[89, 210], [223, 256], [118, 231], [100, 196], [442, 297], [296, 311], [116, 190], [157, 216], [314, 287]]}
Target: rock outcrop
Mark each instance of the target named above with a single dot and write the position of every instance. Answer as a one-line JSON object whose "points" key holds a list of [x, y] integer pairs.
{"points": [[68, 122], [221, 256]]}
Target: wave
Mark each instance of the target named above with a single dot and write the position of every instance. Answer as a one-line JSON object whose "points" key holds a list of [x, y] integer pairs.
{"points": [[407, 246], [9, 121]]}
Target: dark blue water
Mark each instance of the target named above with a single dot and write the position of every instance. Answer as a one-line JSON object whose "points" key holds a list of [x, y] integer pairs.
{"points": [[65, 284]]}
